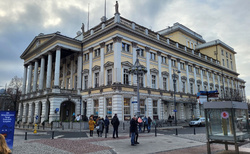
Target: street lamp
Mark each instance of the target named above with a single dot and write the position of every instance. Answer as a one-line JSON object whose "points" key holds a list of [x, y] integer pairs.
{"points": [[174, 94], [138, 69]]}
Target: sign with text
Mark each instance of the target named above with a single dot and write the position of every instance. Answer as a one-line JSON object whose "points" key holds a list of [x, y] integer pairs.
{"points": [[7, 126]]}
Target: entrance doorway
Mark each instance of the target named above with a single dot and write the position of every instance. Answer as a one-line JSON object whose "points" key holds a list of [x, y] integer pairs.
{"points": [[67, 109]]}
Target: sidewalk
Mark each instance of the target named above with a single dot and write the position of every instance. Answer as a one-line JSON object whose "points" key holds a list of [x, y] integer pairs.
{"points": [[162, 144]]}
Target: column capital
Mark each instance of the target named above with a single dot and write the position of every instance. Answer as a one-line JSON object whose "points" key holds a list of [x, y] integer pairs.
{"points": [[158, 53], [102, 44], [117, 39], [134, 44], [58, 47], [178, 60], [49, 52], [169, 56], [147, 49]]}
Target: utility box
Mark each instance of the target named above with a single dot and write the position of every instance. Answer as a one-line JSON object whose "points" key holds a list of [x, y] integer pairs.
{"points": [[227, 123]]}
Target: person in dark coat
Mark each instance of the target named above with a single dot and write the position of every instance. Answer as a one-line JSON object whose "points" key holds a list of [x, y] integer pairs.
{"points": [[133, 128], [106, 123], [145, 123], [115, 122], [100, 123], [149, 124]]}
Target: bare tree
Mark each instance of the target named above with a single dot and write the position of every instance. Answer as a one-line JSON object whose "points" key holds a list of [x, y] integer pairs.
{"points": [[14, 90]]}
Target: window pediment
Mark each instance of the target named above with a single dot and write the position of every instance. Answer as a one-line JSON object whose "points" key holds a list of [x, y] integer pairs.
{"points": [[191, 79], [108, 64], [211, 84], [183, 78], [127, 63], [164, 73], [154, 70], [199, 81], [205, 83], [95, 68], [85, 71]]}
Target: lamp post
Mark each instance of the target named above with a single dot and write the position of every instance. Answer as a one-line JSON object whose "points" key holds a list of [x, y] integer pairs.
{"points": [[174, 94], [138, 69]]}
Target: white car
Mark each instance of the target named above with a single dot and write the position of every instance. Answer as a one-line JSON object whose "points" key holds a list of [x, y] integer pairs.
{"points": [[197, 122]]}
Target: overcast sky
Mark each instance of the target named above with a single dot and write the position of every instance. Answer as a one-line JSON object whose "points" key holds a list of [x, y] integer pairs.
{"points": [[22, 20]]}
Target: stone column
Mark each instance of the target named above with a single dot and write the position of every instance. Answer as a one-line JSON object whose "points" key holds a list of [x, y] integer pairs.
{"points": [[219, 84], [71, 71], [102, 45], [64, 72], [101, 107], [213, 81], [117, 59], [90, 107], [57, 68], [30, 113], [149, 105], [160, 83], [195, 83], [24, 79], [24, 112], [147, 49], [208, 82], [36, 112], [170, 73], [35, 76], [134, 45], [90, 68], [79, 72], [44, 109], [117, 105], [187, 72], [29, 78], [179, 76], [41, 77], [202, 84], [49, 67]]}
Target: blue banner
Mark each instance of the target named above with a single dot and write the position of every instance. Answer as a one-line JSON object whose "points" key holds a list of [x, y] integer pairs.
{"points": [[7, 126]]}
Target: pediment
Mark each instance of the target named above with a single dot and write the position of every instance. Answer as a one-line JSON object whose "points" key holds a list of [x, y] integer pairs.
{"points": [[95, 68], [191, 79], [199, 81], [154, 70], [183, 78], [85, 71], [164, 73], [108, 63], [127, 63]]}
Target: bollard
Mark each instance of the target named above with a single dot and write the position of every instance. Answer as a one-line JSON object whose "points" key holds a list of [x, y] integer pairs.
{"points": [[123, 126], [176, 131], [155, 131], [25, 138], [105, 131], [52, 134], [194, 131]]}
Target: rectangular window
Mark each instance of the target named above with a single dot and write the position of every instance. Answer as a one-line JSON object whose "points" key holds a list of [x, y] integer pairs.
{"points": [[155, 108], [222, 52], [191, 88], [75, 83], [96, 107], [141, 80], [182, 66], [223, 62], [153, 81], [109, 76], [199, 88], [227, 64], [164, 83], [183, 87], [127, 109], [97, 52], [197, 70], [190, 68], [203, 72], [163, 59], [173, 63], [86, 82], [109, 47], [226, 55], [142, 107], [140, 52], [125, 47], [109, 107], [152, 56], [86, 56], [231, 65], [125, 77], [96, 80], [231, 56], [68, 83], [205, 88]]}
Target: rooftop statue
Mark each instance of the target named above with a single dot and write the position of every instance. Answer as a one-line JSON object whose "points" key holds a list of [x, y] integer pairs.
{"points": [[116, 8]]}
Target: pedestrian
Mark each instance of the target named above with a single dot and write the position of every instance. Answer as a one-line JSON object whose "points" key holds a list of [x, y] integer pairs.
{"points": [[145, 123], [136, 132], [4, 149], [133, 127], [73, 116], [97, 126], [91, 126], [115, 122], [106, 123], [170, 119], [139, 124], [78, 117], [149, 123], [100, 123]]}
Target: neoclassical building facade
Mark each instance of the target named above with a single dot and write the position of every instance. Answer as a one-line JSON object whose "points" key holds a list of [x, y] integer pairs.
{"points": [[89, 74]]}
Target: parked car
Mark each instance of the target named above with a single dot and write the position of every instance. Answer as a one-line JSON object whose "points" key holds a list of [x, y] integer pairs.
{"points": [[197, 122]]}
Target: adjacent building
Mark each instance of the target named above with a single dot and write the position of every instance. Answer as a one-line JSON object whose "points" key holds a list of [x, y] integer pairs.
{"points": [[89, 74]]}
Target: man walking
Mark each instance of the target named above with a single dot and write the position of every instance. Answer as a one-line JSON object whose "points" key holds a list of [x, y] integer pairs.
{"points": [[133, 127], [145, 121], [115, 122]]}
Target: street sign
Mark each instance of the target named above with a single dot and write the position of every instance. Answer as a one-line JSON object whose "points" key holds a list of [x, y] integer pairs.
{"points": [[36, 117], [134, 101], [224, 114], [57, 109], [175, 110]]}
